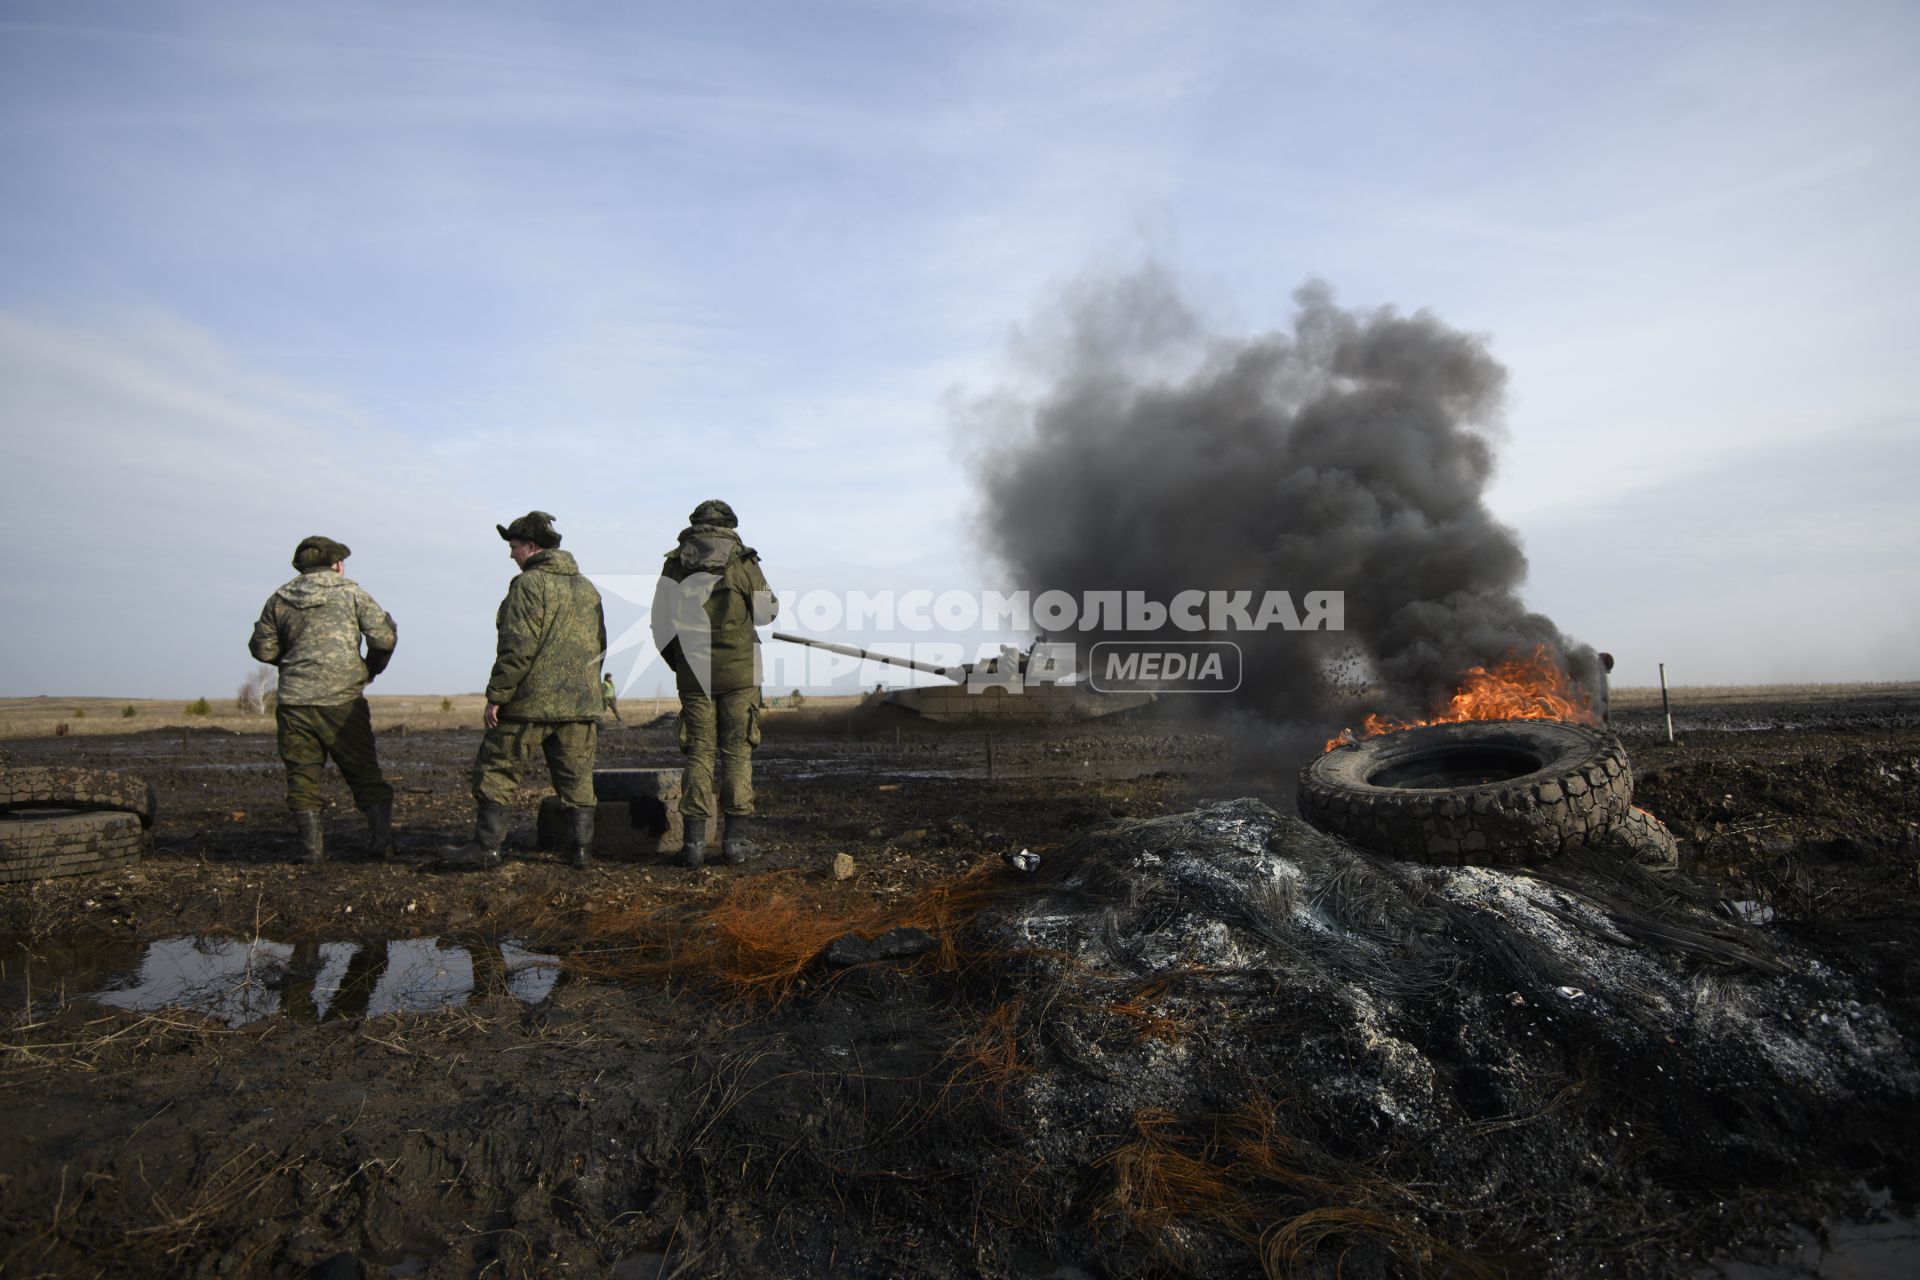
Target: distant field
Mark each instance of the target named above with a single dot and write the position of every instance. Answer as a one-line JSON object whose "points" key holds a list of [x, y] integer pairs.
{"points": [[42, 717], [1628, 697]]}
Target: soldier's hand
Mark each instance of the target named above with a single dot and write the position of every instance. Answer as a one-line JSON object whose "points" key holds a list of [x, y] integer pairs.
{"points": [[492, 718]]}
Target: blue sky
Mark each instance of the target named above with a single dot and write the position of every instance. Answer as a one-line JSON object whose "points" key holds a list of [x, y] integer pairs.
{"points": [[397, 272]]}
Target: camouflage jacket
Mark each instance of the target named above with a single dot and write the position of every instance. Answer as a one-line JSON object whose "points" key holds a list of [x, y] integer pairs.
{"points": [[311, 630], [552, 634], [738, 600]]}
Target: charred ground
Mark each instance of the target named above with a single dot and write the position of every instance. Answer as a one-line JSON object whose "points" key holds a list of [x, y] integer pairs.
{"points": [[731, 1110]]}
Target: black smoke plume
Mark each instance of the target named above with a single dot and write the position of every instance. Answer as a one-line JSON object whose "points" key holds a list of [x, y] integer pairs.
{"points": [[1349, 453]]}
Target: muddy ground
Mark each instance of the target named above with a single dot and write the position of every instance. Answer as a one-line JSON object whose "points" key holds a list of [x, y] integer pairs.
{"points": [[627, 1127]]}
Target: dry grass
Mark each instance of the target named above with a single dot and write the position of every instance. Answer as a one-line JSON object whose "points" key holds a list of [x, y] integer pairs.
{"points": [[1281, 1197], [221, 1195], [1150, 1022], [988, 1058], [760, 936], [1164, 1178], [106, 1043], [133, 1217]]}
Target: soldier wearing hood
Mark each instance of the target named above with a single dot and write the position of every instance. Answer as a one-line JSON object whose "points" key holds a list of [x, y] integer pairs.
{"points": [[711, 595], [311, 630], [544, 691]]}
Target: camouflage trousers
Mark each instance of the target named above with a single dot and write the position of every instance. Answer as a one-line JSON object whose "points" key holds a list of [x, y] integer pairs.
{"points": [[723, 729], [568, 745], [309, 736]]}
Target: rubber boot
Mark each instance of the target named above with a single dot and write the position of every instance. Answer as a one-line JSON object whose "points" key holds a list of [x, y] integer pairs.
{"points": [[582, 820], [313, 847], [380, 831], [693, 847], [738, 844], [489, 833]]}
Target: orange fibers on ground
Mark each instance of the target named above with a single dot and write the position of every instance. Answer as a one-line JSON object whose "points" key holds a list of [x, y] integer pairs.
{"points": [[1280, 1196], [1532, 686], [765, 930]]}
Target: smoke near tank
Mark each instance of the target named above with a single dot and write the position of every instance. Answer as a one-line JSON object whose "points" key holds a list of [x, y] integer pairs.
{"points": [[1144, 452]]}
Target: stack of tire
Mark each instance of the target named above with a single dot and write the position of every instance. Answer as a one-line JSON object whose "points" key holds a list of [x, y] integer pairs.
{"points": [[1488, 792], [65, 822]]}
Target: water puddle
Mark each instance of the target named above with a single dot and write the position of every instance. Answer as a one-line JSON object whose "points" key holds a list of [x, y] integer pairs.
{"points": [[240, 980], [229, 766], [1046, 768], [1888, 1250], [805, 769]]}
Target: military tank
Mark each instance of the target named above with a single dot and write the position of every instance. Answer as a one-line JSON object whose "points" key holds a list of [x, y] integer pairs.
{"points": [[1014, 687]]}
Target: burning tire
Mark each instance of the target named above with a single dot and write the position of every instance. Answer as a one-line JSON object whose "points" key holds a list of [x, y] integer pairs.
{"points": [[36, 844], [44, 788], [1505, 791]]}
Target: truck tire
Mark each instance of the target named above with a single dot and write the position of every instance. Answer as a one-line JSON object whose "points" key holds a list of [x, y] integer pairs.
{"points": [[1645, 839], [36, 844], [1487, 792], [59, 788]]}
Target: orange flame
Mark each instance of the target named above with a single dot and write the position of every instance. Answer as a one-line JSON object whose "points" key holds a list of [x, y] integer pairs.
{"points": [[1531, 687]]}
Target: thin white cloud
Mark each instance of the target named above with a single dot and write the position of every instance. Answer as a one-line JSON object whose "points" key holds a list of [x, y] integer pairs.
{"points": [[163, 488]]}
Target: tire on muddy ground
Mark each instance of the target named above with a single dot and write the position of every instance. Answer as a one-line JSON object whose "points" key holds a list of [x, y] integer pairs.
{"points": [[39, 843], [1506, 792], [1643, 838], [56, 788]]}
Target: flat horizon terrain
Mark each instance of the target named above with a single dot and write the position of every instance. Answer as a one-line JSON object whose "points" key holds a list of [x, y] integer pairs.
{"points": [[41, 715]]}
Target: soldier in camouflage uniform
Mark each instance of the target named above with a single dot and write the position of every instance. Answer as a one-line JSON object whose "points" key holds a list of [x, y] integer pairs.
{"points": [[711, 595], [544, 691], [310, 629]]}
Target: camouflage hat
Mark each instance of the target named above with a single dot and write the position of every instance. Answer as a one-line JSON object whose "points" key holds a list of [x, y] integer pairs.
{"points": [[535, 527], [714, 512], [318, 552]]}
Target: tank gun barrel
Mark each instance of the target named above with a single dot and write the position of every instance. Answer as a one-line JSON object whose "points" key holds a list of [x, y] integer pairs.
{"points": [[951, 673]]}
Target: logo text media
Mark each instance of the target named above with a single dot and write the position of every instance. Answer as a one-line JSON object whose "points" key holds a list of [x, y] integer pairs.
{"points": [[1188, 666]]}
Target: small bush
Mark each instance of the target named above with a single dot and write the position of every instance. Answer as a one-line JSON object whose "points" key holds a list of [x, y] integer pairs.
{"points": [[79, 713], [199, 707], [127, 712], [446, 704]]}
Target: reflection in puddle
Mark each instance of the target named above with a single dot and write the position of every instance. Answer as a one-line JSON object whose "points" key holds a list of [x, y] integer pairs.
{"points": [[1884, 1250], [1066, 765], [240, 981]]}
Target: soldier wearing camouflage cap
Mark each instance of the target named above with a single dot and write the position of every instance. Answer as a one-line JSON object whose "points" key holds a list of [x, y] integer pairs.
{"points": [[710, 597], [311, 630], [544, 691]]}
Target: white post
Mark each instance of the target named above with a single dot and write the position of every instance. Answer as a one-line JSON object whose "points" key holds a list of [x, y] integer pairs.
{"points": [[1664, 704]]}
